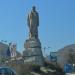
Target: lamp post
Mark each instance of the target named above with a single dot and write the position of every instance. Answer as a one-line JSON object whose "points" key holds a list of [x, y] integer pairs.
{"points": [[46, 48]]}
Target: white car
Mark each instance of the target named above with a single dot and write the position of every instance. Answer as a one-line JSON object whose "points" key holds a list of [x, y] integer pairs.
{"points": [[7, 71], [70, 73]]}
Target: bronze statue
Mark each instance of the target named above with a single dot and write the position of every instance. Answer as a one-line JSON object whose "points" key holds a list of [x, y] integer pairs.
{"points": [[33, 23]]}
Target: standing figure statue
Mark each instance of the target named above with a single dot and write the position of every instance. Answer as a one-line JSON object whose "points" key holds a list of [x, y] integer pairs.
{"points": [[33, 23]]}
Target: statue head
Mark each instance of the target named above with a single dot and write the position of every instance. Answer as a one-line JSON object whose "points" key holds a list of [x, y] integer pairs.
{"points": [[33, 8]]}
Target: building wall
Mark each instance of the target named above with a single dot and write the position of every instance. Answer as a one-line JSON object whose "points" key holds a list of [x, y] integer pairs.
{"points": [[4, 52]]}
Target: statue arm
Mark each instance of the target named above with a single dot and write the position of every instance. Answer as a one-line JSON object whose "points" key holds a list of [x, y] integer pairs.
{"points": [[37, 19], [28, 20]]}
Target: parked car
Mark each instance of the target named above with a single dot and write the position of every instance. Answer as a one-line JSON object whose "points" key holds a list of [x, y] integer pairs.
{"points": [[7, 71]]}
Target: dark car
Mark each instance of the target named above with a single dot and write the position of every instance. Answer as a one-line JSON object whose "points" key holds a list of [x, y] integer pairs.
{"points": [[7, 71]]}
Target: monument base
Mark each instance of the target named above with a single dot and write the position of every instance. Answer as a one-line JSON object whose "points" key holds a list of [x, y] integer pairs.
{"points": [[33, 52]]}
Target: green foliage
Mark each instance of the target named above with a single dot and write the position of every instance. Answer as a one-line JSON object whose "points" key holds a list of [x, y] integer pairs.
{"points": [[2, 60], [21, 69], [35, 67]]}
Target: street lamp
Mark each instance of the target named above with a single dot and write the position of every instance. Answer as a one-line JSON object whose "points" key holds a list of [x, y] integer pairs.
{"points": [[46, 48]]}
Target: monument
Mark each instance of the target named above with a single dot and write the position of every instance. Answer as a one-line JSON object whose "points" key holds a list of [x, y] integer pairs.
{"points": [[32, 45]]}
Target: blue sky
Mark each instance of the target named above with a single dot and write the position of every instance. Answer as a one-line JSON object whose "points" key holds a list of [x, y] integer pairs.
{"points": [[57, 22]]}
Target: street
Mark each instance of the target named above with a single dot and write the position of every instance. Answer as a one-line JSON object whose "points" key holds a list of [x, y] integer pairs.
{"points": [[70, 73]]}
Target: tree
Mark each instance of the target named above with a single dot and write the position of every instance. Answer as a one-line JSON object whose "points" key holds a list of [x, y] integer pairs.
{"points": [[2, 60]]}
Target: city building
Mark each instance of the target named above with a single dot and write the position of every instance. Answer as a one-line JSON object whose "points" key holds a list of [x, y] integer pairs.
{"points": [[4, 52], [8, 52]]}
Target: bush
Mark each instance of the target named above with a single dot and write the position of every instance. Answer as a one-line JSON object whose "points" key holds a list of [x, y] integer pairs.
{"points": [[35, 68], [21, 69]]}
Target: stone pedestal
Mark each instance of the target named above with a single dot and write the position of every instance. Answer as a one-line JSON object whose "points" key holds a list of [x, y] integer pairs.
{"points": [[33, 52]]}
